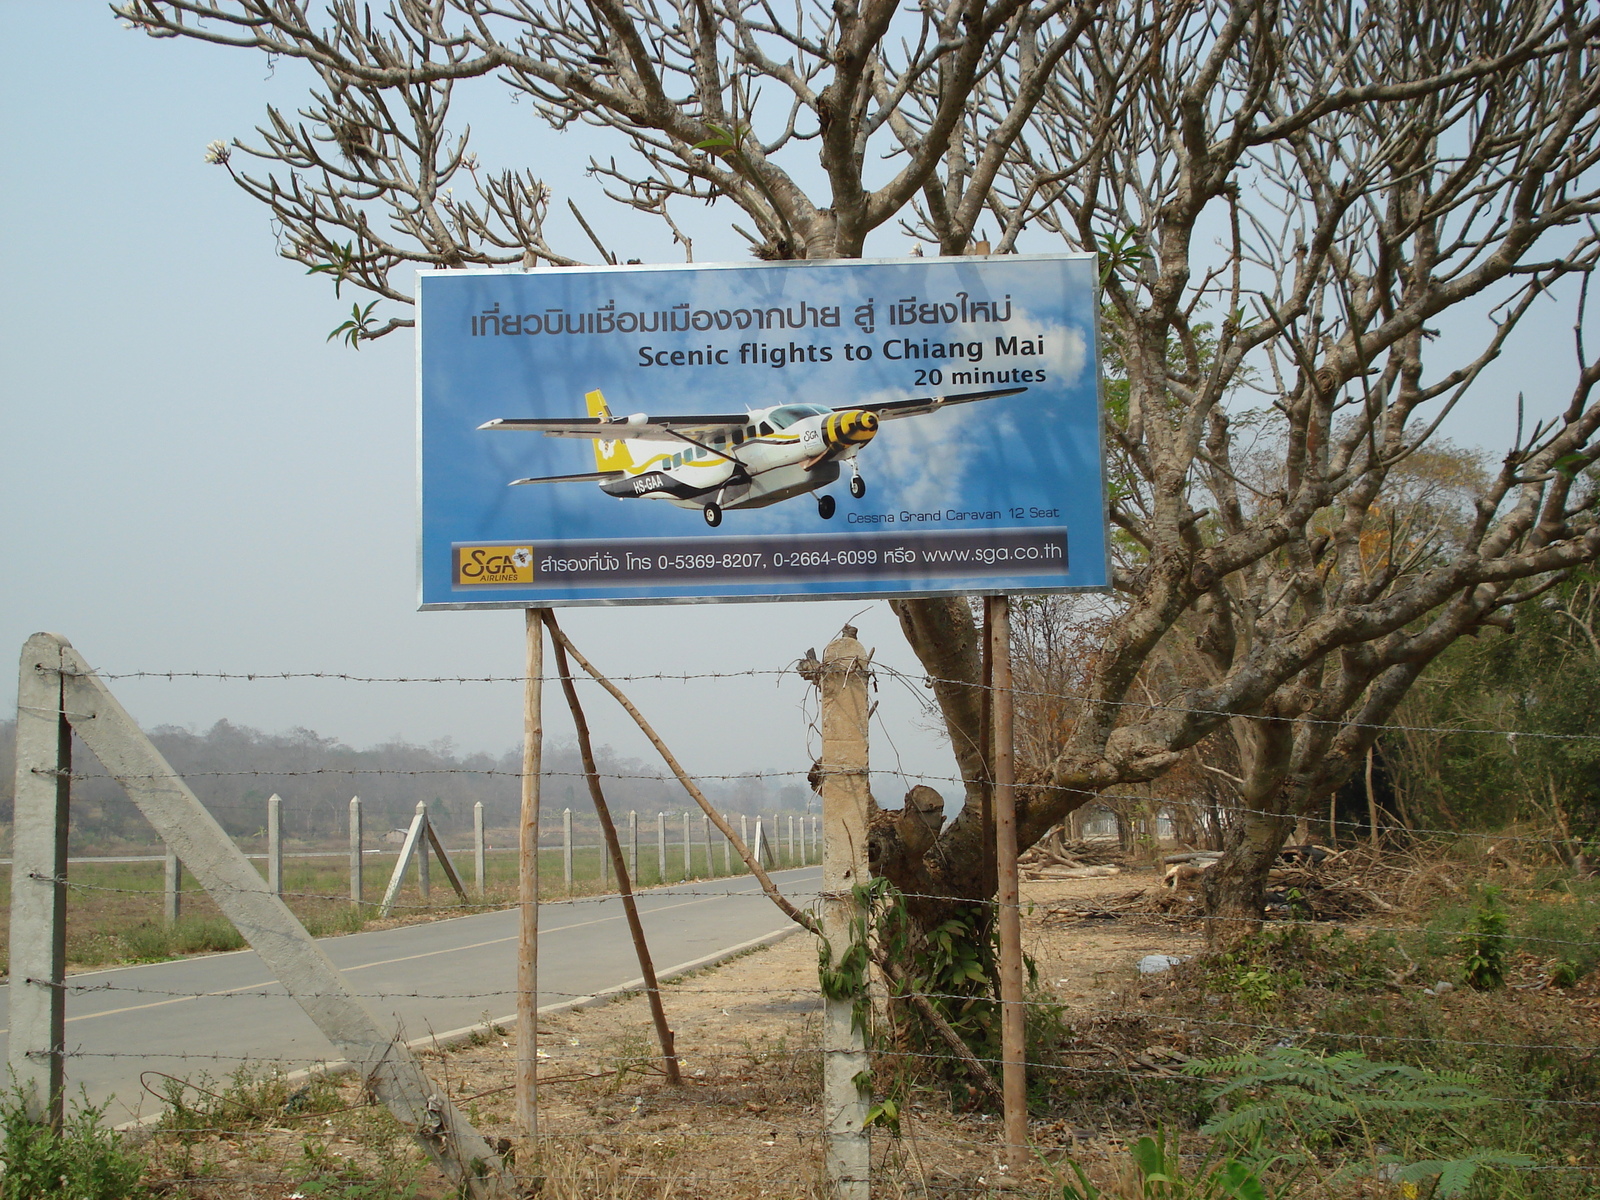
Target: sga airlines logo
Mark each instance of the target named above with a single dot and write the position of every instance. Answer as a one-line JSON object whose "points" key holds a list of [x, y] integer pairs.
{"points": [[479, 565]]}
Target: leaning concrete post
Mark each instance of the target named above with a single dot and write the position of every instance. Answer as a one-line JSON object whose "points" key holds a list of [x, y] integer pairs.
{"points": [[275, 844], [843, 679], [172, 888], [39, 882], [480, 874], [633, 844], [566, 847], [423, 882], [357, 850]]}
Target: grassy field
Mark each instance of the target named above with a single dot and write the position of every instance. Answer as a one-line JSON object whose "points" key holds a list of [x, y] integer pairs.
{"points": [[115, 910]]}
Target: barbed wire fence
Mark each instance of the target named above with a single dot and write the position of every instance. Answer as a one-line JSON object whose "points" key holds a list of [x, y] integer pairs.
{"points": [[1143, 1078]]}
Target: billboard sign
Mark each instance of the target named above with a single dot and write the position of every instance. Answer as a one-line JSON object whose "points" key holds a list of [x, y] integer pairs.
{"points": [[760, 431]]}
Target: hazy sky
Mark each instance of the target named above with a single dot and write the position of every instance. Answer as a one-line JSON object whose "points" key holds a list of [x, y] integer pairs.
{"points": [[194, 480]]}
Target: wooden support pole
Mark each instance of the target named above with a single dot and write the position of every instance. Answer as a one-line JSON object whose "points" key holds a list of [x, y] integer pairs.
{"points": [[591, 774], [275, 844], [36, 1042], [479, 868], [1013, 1015], [525, 1081], [172, 888], [357, 852], [847, 1149], [566, 847]]}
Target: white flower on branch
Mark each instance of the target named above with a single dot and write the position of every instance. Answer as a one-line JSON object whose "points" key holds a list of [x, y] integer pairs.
{"points": [[218, 153]]}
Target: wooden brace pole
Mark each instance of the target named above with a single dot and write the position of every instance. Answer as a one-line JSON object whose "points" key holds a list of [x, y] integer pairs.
{"points": [[689, 785], [591, 775], [525, 1082]]}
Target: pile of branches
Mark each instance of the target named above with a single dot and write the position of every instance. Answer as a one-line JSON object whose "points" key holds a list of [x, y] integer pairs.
{"points": [[1306, 883], [1053, 857]]}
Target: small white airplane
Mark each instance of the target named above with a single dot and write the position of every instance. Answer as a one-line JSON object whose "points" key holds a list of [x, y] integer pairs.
{"points": [[738, 460]]}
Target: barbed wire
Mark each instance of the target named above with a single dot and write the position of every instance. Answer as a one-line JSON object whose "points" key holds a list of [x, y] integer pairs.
{"points": [[680, 988], [789, 671], [667, 890], [814, 772], [755, 1059]]}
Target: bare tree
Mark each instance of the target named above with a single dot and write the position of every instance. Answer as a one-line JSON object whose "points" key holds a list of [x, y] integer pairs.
{"points": [[1365, 171]]}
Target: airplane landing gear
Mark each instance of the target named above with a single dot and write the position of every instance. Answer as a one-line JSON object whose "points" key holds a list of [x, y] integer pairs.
{"points": [[858, 485], [825, 507], [713, 515]]}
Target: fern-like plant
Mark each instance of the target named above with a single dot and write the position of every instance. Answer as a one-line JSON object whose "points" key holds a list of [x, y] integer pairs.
{"points": [[1306, 1105]]}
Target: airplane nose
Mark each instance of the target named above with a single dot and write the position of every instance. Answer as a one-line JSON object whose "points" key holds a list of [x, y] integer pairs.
{"points": [[850, 428]]}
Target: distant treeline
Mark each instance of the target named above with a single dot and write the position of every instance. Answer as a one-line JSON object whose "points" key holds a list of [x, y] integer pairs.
{"points": [[234, 769]]}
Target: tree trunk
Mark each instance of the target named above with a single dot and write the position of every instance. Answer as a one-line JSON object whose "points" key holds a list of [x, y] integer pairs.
{"points": [[1235, 889]]}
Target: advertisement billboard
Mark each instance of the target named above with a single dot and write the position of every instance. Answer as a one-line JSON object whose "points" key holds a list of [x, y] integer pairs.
{"points": [[760, 431]]}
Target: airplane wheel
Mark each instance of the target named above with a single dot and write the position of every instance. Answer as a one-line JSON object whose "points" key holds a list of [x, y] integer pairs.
{"points": [[825, 507], [858, 486], [713, 515]]}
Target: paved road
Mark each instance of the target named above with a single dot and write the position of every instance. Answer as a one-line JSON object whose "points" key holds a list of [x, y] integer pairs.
{"points": [[209, 1014]]}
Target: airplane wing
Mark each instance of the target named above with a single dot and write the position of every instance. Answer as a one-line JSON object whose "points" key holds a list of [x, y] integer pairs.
{"points": [[888, 409], [643, 428], [581, 477]]}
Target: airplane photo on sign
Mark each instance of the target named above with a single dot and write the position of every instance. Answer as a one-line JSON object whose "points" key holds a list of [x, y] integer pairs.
{"points": [[736, 460]]}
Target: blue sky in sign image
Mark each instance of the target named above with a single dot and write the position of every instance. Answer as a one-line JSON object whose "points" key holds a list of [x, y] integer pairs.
{"points": [[1037, 453]]}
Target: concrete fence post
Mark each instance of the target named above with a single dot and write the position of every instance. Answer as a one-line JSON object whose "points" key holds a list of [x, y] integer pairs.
{"points": [[847, 1149], [357, 850], [423, 881], [661, 847], [727, 848], [566, 847], [792, 859], [275, 844], [633, 844], [172, 876], [744, 832], [705, 836], [688, 849], [479, 867]]}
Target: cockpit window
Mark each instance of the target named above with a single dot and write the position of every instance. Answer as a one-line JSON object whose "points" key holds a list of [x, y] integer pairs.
{"points": [[786, 416]]}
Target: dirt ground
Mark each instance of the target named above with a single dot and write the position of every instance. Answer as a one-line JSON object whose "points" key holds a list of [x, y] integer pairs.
{"points": [[747, 1121]]}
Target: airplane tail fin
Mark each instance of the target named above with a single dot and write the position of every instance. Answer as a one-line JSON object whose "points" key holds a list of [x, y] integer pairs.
{"points": [[608, 455]]}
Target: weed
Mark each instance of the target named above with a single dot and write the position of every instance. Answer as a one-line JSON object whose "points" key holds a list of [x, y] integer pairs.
{"points": [[1484, 966], [83, 1160], [1157, 1173]]}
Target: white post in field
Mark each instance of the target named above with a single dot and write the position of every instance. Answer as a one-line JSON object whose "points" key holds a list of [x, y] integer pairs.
{"points": [[275, 844]]}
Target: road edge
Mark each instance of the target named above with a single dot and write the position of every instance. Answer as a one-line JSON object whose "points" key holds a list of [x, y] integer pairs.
{"points": [[486, 1028]]}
